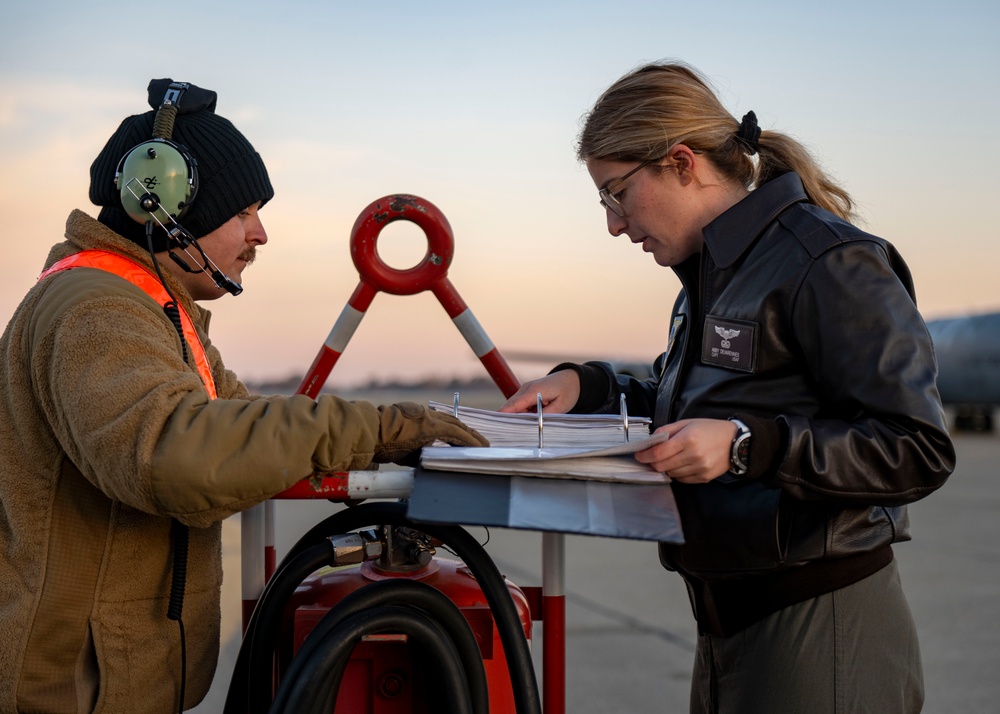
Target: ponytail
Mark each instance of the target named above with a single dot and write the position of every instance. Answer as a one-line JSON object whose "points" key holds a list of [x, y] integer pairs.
{"points": [[780, 154]]}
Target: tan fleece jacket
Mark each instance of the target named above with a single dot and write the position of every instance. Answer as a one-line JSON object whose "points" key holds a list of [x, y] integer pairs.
{"points": [[105, 434]]}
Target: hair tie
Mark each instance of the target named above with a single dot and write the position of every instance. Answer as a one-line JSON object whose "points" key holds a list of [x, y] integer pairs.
{"points": [[749, 133]]}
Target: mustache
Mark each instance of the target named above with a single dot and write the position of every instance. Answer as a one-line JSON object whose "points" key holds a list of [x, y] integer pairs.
{"points": [[249, 255]]}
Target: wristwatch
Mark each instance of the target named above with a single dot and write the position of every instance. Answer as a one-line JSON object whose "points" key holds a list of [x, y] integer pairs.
{"points": [[739, 454]]}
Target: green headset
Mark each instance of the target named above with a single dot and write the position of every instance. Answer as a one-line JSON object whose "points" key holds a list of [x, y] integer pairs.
{"points": [[158, 179]]}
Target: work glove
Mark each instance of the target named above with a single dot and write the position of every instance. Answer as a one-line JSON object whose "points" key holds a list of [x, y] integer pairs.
{"points": [[405, 427]]}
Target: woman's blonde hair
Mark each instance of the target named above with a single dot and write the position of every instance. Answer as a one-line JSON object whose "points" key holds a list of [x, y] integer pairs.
{"points": [[651, 109]]}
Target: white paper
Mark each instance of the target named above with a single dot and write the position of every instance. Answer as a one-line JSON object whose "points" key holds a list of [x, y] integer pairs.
{"points": [[557, 430], [612, 463]]}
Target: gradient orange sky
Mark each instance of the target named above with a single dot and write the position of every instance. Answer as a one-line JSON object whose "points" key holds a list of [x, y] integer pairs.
{"points": [[477, 111]]}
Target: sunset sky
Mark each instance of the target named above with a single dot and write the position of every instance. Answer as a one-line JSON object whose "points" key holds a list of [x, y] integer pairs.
{"points": [[476, 108]]}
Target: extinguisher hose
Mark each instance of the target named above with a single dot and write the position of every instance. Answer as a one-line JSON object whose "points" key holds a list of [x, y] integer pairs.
{"points": [[413, 595], [519, 663], [315, 690], [256, 655], [262, 630], [409, 594], [491, 581]]}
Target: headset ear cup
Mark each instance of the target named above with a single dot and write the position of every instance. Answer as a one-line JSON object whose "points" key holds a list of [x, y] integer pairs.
{"points": [[157, 179]]}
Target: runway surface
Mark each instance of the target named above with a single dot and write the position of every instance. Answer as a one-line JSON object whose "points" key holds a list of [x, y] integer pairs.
{"points": [[630, 635]]}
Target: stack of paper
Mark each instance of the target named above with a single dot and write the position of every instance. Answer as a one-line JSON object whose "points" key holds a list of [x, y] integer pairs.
{"points": [[556, 430], [611, 463], [590, 447]]}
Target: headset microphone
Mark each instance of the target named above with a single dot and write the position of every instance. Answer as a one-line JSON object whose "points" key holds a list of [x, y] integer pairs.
{"points": [[168, 187], [222, 281], [226, 283], [177, 233]]}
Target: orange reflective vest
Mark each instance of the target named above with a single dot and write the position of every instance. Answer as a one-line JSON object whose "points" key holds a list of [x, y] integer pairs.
{"points": [[147, 281]]}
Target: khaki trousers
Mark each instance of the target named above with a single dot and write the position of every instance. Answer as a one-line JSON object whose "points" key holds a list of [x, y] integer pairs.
{"points": [[851, 651]]}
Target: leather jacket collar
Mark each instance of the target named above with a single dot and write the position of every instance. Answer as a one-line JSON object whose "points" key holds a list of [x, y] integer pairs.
{"points": [[729, 235]]}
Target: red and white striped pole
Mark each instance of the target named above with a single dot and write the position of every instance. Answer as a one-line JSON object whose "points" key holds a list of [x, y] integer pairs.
{"points": [[429, 274]]}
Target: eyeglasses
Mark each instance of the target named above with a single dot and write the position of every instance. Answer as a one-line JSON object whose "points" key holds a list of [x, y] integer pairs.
{"points": [[610, 200]]}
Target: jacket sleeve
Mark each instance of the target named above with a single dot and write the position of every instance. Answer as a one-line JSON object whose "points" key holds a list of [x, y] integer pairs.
{"points": [[880, 437], [600, 387], [136, 420]]}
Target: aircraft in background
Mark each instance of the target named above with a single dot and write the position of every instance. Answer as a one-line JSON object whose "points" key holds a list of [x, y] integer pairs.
{"points": [[968, 354]]}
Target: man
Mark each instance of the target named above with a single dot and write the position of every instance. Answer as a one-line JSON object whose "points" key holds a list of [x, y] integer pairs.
{"points": [[124, 439]]}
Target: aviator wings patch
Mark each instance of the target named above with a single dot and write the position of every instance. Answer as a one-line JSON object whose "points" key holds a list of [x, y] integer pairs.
{"points": [[729, 343]]}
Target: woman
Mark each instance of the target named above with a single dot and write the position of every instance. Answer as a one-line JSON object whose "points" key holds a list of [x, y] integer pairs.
{"points": [[798, 387]]}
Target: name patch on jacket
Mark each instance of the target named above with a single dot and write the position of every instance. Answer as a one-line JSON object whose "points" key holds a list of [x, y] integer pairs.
{"points": [[730, 343]]}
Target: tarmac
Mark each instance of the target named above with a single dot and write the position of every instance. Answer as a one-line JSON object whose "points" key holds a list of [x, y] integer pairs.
{"points": [[630, 636]]}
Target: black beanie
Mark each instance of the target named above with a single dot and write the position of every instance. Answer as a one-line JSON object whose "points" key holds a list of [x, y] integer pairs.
{"points": [[231, 175]]}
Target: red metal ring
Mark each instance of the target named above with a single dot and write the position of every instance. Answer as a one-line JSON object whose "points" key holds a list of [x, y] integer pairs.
{"points": [[430, 270]]}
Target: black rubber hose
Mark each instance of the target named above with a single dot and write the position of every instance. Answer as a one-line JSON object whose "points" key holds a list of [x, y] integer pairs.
{"points": [[269, 612], [315, 691], [407, 593], [239, 699], [519, 663], [522, 673], [279, 589]]}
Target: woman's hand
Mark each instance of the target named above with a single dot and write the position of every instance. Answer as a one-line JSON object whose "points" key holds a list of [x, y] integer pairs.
{"points": [[560, 392], [696, 452]]}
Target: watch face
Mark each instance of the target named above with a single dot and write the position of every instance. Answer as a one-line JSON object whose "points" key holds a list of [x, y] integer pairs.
{"points": [[743, 451], [739, 454]]}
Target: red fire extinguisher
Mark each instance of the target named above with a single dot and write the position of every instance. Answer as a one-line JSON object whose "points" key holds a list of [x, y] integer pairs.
{"points": [[383, 676], [398, 632]]}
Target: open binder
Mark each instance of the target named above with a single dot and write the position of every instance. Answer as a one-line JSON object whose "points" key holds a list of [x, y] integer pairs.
{"points": [[560, 430], [610, 463], [596, 447], [538, 483]]}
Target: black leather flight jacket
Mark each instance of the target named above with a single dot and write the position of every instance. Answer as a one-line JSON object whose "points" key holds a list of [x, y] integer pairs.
{"points": [[805, 328]]}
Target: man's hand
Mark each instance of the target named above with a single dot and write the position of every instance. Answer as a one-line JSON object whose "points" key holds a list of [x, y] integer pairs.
{"points": [[406, 427]]}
